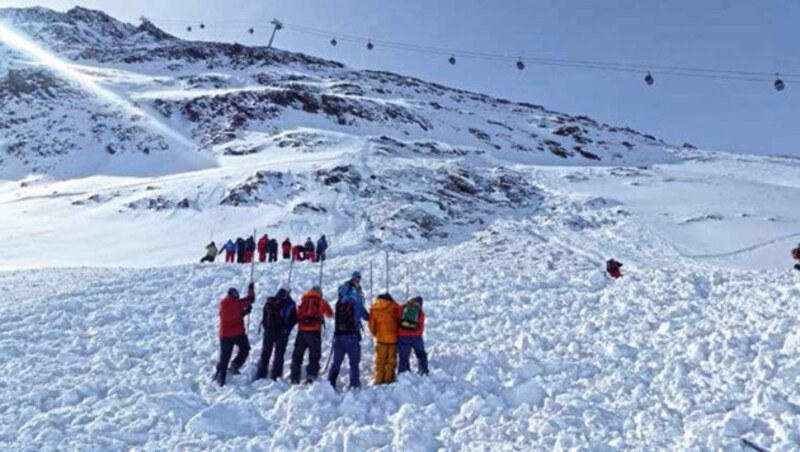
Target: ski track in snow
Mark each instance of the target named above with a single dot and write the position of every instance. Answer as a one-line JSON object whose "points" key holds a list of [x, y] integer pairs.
{"points": [[746, 249], [535, 350]]}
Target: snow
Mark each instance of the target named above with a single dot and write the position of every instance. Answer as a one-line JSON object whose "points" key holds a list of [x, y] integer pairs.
{"points": [[524, 354], [108, 332]]}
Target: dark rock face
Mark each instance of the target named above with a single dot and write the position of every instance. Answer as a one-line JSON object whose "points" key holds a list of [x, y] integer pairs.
{"points": [[35, 83], [259, 188]]}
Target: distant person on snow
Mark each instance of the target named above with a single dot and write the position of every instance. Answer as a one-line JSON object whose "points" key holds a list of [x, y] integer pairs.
{"points": [[249, 250], [286, 247], [309, 250], [409, 336], [278, 320], [230, 251], [383, 323], [262, 248], [232, 311], [298, 253], [796, 257], [322, 246], [310, 321], [614, 269], [347, 339], [211, 253], [241, 247], [273, 250]]}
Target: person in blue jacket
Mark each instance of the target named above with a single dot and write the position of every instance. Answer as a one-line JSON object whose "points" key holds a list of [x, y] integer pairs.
{"points": [[352, 288], [230, 251], [347, 339]]}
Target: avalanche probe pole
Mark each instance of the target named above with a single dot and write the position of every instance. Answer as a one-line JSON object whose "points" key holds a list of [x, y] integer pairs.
{"points": [[321, 269], [371, 283], [252, 271], [387, 271], [407, 280], [291, 266]]}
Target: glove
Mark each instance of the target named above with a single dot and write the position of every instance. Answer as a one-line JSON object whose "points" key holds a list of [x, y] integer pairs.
{"points": [[251, 290]]}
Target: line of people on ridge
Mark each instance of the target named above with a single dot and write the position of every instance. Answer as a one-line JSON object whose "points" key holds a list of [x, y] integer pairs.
{"points": [[243, 251], [397, 329]]}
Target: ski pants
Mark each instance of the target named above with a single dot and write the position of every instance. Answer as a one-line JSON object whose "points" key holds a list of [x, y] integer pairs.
{"points": [[311, 341], [349, 345], [405, 344], [207, 259], [286, 255], [240, 257], [273, 345], [226, 345], [385, 363], [248, 257], [230, 256], [321, 255], [262, 256], [273, 256]]}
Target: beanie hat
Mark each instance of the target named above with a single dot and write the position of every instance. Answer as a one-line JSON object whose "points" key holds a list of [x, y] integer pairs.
{"points": [[317, 289], [232, 292], [356, 274]]}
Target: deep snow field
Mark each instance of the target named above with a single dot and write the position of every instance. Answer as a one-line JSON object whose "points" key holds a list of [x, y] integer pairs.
{"points": [[531, 346]]}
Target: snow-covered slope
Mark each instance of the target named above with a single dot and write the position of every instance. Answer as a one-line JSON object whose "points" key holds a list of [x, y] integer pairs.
{"points": [[531, 350], [133, 148]]}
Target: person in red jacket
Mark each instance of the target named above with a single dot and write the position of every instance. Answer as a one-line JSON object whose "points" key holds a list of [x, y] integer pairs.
{"points": [[286, 247], [262, 248], [310, 320], [232, 311], [409, 336], [298, 253], [614, 268]]}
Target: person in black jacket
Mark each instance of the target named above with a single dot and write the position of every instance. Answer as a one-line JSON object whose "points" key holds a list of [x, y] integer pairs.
{"points": [[272, 249], [278, 320], [250, 249], [309, 250], [241, 247], [322, 246]]}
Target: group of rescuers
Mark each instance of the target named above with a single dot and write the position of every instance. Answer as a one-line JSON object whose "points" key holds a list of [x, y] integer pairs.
{"points": [[243, 251], [397, 329]]}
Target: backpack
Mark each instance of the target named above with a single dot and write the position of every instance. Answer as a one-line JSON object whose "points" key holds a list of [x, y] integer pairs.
{"points": [[345, 320], [272, 319], [796, 253], [310, 311], [409, 320]]}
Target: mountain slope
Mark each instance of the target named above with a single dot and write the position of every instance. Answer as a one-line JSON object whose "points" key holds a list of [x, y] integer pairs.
{"points": [[231, 99]]}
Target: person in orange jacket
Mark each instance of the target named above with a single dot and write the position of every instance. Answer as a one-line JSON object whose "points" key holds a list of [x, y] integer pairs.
{"points": [[383, 324], [310, 320], [409, 336]]}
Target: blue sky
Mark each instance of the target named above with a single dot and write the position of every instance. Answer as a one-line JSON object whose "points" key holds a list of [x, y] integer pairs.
{"points": [[721, 34]]}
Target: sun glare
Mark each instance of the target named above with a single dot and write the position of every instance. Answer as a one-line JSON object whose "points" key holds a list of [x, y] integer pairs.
{"points": [[42, 57]]}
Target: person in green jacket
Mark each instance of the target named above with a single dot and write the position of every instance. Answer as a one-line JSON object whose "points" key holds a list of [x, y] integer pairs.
{"points": [[211, 253]]}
